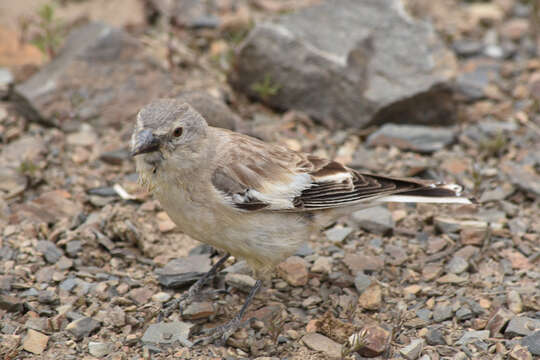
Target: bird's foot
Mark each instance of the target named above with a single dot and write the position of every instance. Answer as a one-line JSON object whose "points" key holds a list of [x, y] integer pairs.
{"points": [[219, 334], [188, 297], [184, 301]]}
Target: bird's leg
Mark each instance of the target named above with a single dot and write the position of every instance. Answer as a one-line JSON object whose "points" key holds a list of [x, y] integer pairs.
{"points": [[220, 334], [193, 291]]}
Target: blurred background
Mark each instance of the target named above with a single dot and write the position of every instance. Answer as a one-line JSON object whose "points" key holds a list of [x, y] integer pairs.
{"points": [[447, 90]]}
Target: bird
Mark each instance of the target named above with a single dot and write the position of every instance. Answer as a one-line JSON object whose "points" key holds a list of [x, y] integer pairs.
{"points": [[254, 200]]}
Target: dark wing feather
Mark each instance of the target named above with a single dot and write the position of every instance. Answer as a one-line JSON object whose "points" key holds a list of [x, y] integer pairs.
{"points": [[257, 176], [364, 187]]}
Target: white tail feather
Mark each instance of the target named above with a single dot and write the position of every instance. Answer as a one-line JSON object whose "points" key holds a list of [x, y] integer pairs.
{"points": [[424, 199]]}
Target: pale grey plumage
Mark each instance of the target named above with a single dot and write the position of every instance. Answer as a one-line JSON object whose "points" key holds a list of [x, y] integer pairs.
{"points": [[254, 200]]}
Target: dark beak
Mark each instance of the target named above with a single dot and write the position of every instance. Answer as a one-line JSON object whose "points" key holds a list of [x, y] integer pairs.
{"points": [[145, 142]]}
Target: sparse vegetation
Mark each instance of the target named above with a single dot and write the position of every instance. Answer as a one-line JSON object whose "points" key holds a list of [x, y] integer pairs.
{"points": [[27, 167], [494, 146], [266, 88], [51, 31]]}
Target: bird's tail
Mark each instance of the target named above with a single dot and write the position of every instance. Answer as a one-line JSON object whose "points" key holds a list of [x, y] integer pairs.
{"points": [[434, 193]]}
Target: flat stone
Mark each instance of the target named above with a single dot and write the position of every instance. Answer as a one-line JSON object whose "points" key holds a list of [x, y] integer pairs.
{"points": [[413, 350], [338, 234], [49, 207], [198, 310], [442, 312], [360, 262], [73, 247], [497, 194], [470, 336], [532, 342], [362, 282], [371, 298], [240, 281], [49, 250], [116, 157], [293, 271], [423, 139], [167, 333], [457, 265], [521, 326], [99, 349], [322, 265], [464, 313], [376, 219], [513, 299], [323, 344], [5, 282], [183, 271], [103, 70], [452, 279], [431, 271], [239, 267], [424, 314], [140, 295], [35, 342], [498, 320], [351, 56], [473, 236], [10, 303], [311, 301], [83, 327], [466, 47], [523, 176], [161, 297], [435, 337]]}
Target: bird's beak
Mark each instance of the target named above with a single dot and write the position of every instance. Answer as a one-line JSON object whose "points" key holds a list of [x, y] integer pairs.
{"points": [[145, 142]]}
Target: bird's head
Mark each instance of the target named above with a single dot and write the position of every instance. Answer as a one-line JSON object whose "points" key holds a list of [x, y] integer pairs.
{"points": [[168, 136]]}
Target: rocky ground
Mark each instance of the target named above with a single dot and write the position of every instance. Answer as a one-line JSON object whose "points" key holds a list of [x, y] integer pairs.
{"points": [[88, 258]]}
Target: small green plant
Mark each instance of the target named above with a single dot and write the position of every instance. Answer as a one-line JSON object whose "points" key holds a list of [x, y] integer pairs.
{"points": [[494, 146], [50, 34], [27, 167], [478, 180], [266, 88]]}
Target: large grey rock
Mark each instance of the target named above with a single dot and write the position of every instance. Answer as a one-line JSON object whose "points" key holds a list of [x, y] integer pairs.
{"points": [[418, 138], [215, 112], [101, 74], [349, 61]]}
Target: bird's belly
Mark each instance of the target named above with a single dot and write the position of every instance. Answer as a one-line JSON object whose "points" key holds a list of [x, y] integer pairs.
{"points": [[262, 238]]}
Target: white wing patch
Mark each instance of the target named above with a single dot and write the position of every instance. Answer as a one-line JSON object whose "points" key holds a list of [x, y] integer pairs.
{"points": [[280, 195]]}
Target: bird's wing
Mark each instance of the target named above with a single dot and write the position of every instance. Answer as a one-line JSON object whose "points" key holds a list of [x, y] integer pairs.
{"points": [[253, 175]]}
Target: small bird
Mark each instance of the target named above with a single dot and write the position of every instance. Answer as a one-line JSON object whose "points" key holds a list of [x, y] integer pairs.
{"points": [[251, 199]]}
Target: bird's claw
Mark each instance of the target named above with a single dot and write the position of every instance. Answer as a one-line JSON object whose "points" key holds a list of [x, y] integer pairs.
{"points": [[173, 304], [219, 334]]}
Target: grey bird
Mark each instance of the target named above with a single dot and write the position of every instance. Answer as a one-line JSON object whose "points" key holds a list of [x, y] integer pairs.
{"points": [[251, 199]]}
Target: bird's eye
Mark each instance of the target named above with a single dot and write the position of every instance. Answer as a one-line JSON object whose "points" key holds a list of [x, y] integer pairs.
{"points": [[178, 132]]}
